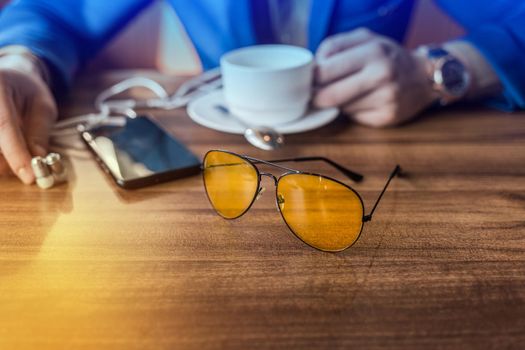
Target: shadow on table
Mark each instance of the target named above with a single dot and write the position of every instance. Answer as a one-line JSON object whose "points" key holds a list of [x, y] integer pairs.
{"points": [[27, 218], [336, 127], [150, 192]]}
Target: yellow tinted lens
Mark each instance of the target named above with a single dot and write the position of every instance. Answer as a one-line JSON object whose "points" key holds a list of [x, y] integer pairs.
{"points": [[323, 213], [231, 183]]}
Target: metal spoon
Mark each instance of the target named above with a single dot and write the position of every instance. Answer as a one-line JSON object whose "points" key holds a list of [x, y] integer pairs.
{"points": [[262, 137]]}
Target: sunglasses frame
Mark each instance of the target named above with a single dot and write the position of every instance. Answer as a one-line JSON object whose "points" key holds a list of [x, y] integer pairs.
{"points": [[289, 171]]}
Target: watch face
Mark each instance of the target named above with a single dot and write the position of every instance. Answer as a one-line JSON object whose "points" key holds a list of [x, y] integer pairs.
{"points": [[454, 77]]}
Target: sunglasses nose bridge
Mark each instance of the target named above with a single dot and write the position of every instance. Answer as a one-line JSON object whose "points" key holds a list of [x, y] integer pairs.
{"points": [[270, 176]]}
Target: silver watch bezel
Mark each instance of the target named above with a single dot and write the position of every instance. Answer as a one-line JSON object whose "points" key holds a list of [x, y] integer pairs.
{"points": [[438, 80], [435, 74]]}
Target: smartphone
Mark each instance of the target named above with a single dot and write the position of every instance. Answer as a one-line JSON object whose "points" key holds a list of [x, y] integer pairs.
{"points": [[138, 152]]}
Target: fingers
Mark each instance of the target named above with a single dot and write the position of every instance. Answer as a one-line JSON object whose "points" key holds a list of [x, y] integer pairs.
{"points": [[38, 123], [354, 86], [343, 41], [388, 105], [348, 62], [371, 77], [376, 118], [377, 108], [12, 143], [4, 167], [385, 95]]}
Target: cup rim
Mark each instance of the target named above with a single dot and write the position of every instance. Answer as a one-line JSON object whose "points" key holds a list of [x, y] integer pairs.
{"points": [[226, 58]]}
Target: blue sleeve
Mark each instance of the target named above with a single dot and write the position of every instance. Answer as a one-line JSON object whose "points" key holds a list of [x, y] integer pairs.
{"points": [[497, 29], [65, 33]]}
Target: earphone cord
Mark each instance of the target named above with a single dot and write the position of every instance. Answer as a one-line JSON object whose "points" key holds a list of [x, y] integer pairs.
{"points": [[115, 111], [109, 112]]}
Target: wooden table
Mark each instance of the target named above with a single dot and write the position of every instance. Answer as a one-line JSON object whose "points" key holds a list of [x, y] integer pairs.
{"points": [[442, 265]]}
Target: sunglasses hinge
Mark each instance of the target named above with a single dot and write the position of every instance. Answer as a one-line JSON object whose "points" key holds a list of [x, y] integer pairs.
{"points": [[367, 218]]}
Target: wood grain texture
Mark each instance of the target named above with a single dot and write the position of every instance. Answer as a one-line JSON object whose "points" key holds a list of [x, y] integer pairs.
{"points": [[442, 265]]}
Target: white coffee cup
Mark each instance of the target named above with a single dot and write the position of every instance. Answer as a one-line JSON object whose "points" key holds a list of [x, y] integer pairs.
{"points": [[267, 84]]}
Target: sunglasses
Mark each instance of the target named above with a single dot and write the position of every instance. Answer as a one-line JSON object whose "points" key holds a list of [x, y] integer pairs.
{"points": [[323, 212]]}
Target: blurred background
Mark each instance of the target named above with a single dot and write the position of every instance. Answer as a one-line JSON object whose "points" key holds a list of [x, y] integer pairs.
{"points": [[164, 45]]}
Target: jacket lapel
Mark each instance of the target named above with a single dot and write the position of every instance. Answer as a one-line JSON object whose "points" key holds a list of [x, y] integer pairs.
{"points": [[242, 27], [320, 15]]}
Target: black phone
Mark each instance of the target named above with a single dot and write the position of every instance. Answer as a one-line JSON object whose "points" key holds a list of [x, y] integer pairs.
{"points": [[139, 153]]}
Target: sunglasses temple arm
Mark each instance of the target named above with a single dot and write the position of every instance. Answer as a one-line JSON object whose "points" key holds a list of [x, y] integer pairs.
{"points": [[349, 173], [395, 172]]}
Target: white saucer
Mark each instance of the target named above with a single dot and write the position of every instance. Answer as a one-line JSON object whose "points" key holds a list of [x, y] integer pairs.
{"points": [[204, 112]]}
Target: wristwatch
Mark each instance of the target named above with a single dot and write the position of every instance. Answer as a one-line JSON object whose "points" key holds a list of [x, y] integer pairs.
{"points": [[449, 77]]}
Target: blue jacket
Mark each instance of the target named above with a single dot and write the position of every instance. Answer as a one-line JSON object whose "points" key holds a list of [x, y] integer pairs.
{"points": [[66, 33]]}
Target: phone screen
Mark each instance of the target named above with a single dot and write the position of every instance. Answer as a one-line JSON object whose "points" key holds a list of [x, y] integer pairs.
{"points": [[140, 153]]}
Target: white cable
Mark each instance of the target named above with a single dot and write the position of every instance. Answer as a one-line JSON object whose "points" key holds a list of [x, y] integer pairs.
{"points": [[127, 84], [115, 111], [91, 118]]}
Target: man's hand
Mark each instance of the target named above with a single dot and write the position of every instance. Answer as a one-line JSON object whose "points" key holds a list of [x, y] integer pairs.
{"points": [[373, 79], [27, 114]]}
